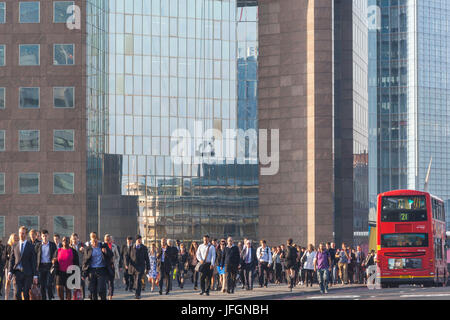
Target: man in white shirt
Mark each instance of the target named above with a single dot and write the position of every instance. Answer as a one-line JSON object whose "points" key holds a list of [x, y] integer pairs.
{"points": [[264, 261], [206, 255]]}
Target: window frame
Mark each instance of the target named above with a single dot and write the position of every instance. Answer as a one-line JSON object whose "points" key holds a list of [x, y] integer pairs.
{"points": [[73, 184], [54, 7], [4, 55], [54, 106], [61, 216], [54, 54], [39, 98], [39, 183], [38, 221], [39, 11], [3, 177], [73, 135], [39, 54], [4, 98], [39, 141], [4, 140], [4, 12]]}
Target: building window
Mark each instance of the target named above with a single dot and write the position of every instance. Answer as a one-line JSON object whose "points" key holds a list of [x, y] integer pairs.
{"points": [[2, 55], [29, 54], [63, 140], [63, 225], [2, 226], [63, 183], [29, 140], [29, 183], [63, 55], [2, 183], [2, 140], [2, 12], [2, 98], [62, 12], [29, 98], [63, 97], [29, 12], [30, 222]]}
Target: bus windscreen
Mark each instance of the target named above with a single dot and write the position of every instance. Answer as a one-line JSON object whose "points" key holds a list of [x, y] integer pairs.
{"points": [[404, 203], [404, 240]]}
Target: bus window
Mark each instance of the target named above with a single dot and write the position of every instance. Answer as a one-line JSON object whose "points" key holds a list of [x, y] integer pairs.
{"points": [[404, 240]]}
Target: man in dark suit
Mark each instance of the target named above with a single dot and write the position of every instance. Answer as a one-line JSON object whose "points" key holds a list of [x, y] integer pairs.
{"points": [[125, 251], [45, 252], [138, 263], [248, 262], [23, 266], [231, 259], [164, 266], [97, 266]]}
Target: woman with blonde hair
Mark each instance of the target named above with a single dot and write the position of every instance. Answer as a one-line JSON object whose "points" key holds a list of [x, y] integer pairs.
{"points": [[153, 276], [13, 238]]}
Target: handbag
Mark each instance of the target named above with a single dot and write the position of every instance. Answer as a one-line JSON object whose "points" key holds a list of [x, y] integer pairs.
{"points": [[77, 294], [35, 293], [199, 266]]}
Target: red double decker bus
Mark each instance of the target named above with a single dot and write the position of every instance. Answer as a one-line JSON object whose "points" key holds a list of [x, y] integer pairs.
{"points": [[411, 235]]}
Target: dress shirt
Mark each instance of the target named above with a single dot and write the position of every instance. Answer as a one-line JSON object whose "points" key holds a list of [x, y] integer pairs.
{"points": [[201, 253], [266, 254], [45, 254]]}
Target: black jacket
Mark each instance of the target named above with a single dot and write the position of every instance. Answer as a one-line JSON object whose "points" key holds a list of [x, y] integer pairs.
{"points": [[291, 255], [137, 260], [123, 255], [253, 260], [27, 259], [39, 252], [168, 261], [182, 259], [107, 257], [231, 256]]}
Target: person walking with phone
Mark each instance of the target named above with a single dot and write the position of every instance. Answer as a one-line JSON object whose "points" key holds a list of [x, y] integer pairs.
{"points": [[206, 255]]}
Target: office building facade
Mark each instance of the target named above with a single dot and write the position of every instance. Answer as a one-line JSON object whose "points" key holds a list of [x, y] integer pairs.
{"points": [[313, 71], [413, 85]]}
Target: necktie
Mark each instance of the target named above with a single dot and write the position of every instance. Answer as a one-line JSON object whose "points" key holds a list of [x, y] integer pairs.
{"points": [[21, 248], [248, 255]]}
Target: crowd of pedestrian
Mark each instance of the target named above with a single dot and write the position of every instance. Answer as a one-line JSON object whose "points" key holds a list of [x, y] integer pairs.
{"points": [[222, 265]]}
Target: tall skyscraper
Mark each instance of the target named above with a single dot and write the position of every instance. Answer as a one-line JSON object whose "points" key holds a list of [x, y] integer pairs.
{"points": [[88, 113], [313, 70], [413, 85]]}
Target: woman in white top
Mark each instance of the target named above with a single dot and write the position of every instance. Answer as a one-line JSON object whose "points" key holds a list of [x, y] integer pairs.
{"points": [[309, 256]]}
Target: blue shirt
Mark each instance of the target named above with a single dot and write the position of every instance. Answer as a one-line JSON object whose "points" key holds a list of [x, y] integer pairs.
{"points": [[97, 258], [45, 255]]}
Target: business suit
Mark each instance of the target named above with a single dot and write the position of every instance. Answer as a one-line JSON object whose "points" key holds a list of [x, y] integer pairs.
{"points": [[45, 279], [128, 278], [97, 275], [164, 268], [230, 258], [138, 264], [23, 267], [248, 263]]}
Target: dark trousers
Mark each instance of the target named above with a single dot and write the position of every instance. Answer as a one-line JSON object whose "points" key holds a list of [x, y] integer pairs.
{"points": [[263, 273], [194, 276], [137, 278], [110, 283], [278, 269], [45, 281], [97, 283], [128, 279], [22, 284], [205, 277], [309, 277], [165, 277], [242, 275], [230, 274], [248, 275]]}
